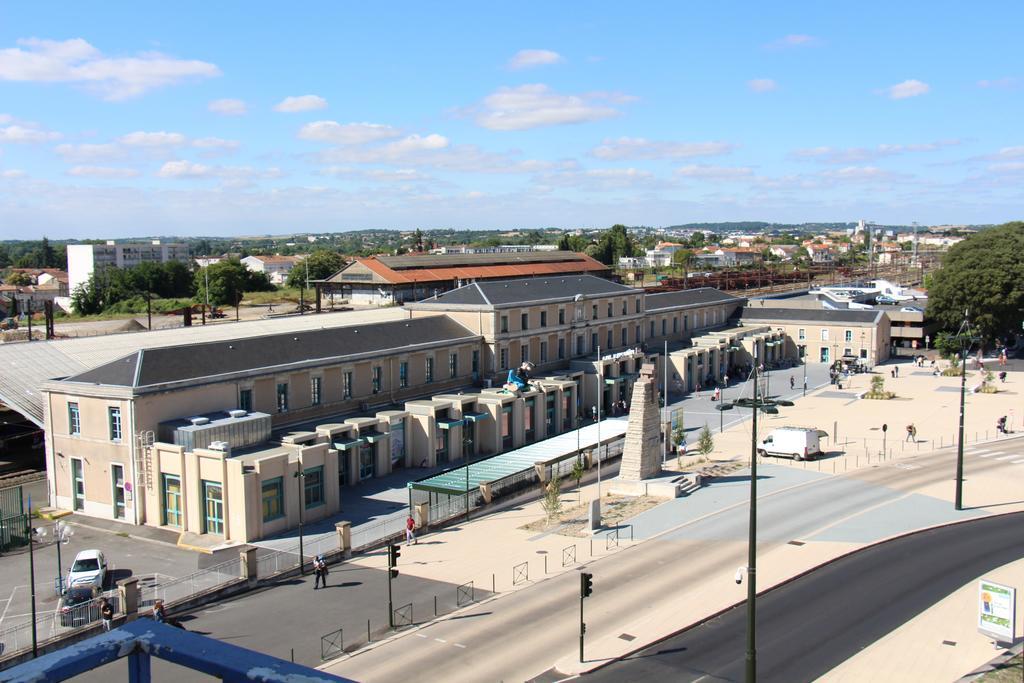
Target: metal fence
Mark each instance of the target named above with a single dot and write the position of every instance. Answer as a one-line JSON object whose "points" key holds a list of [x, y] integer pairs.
{"points": [[332, 645], [52, 624], [403, 616], [13, 531], [373, 533], [197, 582]]}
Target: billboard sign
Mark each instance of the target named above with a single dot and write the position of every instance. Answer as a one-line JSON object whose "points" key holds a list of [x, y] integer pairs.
{"points": [[997, 611]]}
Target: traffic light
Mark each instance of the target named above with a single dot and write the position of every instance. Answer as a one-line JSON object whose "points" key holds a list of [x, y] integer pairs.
{"points": [[586, 584], [394, 552]]}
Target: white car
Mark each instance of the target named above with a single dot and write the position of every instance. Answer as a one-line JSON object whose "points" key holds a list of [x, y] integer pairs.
{"points": [[88, 569]]}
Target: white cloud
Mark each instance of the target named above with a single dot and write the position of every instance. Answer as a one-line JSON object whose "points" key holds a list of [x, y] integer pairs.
{"points": [[76, 61], [706, 172], [1010, 152], [1007, 167], [90, 152], [794, 40], [347, 133], [1007, 83], [27, 134], [854, 155], [180, 169], [5, 118], [102, 172], [642, 148], [535, 105], [858, 174], [909, 88], [599, 179], [762, 85], [402, 175], [526, 59], [157, 139], [12, 173], [416, 143], [215, 144], [292, 105], [227, 107]]}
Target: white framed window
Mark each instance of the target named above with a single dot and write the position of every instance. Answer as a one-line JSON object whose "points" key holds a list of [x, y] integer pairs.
{"points": [[801, 334], [824, 334]]}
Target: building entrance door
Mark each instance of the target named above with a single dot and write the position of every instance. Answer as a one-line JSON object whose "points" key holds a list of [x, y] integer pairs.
{"points": [[117, 481], [213, 504], [77, 485], [824, 357]]}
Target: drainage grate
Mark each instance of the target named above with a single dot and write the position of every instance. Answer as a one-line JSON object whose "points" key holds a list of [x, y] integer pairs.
{"points": [[949, 642], [796, 543], [626, 637]]}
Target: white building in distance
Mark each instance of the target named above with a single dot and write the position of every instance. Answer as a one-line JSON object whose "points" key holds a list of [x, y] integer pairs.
{"points": [[84, 259]]}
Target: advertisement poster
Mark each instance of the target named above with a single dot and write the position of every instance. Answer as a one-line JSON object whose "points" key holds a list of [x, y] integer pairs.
{"points": [[997, 610]]}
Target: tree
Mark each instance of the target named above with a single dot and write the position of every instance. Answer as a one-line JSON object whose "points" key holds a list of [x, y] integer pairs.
{"points": [[18, 278], [679, 438], [227, 280], [578, 468], [697, 240], [552, 502], [321, 265], [682, 257], [706, 443], [613, 244], [984, 275]]}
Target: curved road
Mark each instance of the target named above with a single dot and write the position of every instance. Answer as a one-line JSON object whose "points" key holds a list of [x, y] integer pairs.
{"points": [[811, 625]]}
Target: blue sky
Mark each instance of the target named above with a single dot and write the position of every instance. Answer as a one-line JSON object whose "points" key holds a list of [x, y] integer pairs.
{"points": [[225, 118]]}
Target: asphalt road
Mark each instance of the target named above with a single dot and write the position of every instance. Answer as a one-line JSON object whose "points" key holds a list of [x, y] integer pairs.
{"points": [[811, 625]]}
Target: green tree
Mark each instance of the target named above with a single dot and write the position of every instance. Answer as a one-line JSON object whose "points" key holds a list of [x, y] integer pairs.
{"points": [[613, 244], [682, 258], [697, 240], [18, 278], [984, 275], [706, 443], [552, 502], [321, 264], [228, 282]]}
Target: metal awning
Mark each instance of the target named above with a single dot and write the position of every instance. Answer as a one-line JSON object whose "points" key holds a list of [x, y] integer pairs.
{"points": [[372, 437], [448, 423], [475, 417], [349, 444], [611, 380]]}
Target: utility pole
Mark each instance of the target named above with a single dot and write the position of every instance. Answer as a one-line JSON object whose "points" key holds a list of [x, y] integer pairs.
{"points": [[32, 575], [965, 344], [300, 480], [586, 589], [751, 668], [600, 399]]}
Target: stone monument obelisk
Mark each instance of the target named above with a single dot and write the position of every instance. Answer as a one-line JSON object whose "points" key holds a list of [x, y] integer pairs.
{"points": [[641, 453]]}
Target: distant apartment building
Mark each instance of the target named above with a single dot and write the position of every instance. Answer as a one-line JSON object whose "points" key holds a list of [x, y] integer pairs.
{"points": [[84, 259], [277, 268]]}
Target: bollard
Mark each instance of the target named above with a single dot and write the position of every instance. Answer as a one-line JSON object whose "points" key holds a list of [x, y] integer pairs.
{"points": [[591, 546], [293, 655], [435, 605], [493, 589], [368, 631], [545, 564]]}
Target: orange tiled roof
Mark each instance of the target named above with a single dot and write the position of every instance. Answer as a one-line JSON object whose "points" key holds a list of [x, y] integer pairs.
{"points": [[584, 264]]}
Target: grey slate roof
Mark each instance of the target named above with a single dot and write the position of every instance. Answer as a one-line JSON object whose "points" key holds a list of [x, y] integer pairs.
{"points": [[157, 366], [688, 297], [811, 315], [529, 290], [447, 260]]}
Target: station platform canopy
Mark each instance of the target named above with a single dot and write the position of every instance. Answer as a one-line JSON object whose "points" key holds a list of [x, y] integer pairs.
{"points": [[487, 470]]}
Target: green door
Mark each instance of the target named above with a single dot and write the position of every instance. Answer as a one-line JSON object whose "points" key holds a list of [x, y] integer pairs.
{"points": [[117, 482], [213, 504], [172, 500], [77, 485]]}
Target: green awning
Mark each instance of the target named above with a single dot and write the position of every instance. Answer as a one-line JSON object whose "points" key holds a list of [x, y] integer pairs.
{"points": [[475, 417], [447, 423], [608, 380], [372, 437], [349, 444]]}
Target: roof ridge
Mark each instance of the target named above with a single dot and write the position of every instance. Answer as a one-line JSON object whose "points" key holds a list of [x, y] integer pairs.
{"points": [[138, 367], [480, 289]]}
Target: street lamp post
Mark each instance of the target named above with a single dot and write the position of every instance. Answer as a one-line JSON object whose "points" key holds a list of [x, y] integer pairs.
{"points": [[600, 399], [768, 405], [965, 344]]}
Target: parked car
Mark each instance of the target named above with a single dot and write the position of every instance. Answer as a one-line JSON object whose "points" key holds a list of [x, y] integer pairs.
{"points": [[885, 299], [79, 606], [88, 569], [911, 309]]}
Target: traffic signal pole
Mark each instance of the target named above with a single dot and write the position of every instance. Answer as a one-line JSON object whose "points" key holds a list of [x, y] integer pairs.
{"points": [[586, 588], [393, 553]]}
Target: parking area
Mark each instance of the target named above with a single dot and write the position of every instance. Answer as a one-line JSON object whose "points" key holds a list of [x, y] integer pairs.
{"points": [[125, 557]]}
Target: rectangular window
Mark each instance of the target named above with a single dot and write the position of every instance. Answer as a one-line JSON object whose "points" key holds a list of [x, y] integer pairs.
{"points": [[609, 309], [561, 349], [504, 323], [664, 327], [594, 312], [314, 390], [636, 338], [824, 334], [314, 486], [117, 486], [376, 379], [528, 414], [686, 322], [801, 334], [638, 304], [367, 462], [579, 312], [549, 414], [506, 427], [625, 336], [441, 444], [74, 419], [675, 324], [543, 352], [453, 365], [430, 370], [561, 316], [543, 318], [524, 321], [346, 385], [213, 507], [273, 499], [403, 374], [593, 342], [77, 484], [245, 400], [282, 397], [476, 361], [624, 307], [115, 423], [609, 338], [652, 330], [848, 351], [524, 353], [863, 353], [171, 500], [849, 336], [503, 356]]}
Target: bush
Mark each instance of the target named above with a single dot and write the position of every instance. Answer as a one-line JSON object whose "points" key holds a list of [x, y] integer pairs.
{"points": [[877, 391]]}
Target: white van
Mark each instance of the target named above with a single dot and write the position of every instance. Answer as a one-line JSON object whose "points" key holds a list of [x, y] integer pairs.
{"points": [[799, 443]]}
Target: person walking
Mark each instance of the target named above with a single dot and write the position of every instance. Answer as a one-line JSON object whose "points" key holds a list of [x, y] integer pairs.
{"points": [[320, 572], [107, 611], [410, 530], [1001, 425], [911, 432], [1002, 376], [792, 382], [159, 613]]}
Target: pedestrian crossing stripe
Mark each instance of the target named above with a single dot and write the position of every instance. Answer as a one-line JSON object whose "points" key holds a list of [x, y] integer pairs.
{"points": [[1007, 457], [978, 450], [1017, 462], [989, 455]]}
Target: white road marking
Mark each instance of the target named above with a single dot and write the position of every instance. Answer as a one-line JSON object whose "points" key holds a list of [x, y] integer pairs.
{"points": [[441, 640], [1007, 457], [459, 645], [978, 452], [989, 455], [1017, 462], [420, 635]]}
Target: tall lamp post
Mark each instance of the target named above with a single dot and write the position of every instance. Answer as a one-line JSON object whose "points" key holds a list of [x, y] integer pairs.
{"points": [[768, 405], [966, 340]]}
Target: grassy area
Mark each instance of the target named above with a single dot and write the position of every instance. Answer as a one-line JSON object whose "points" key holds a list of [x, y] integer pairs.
{"points": [[1010, 672], [132, 308], [282, 295]]}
